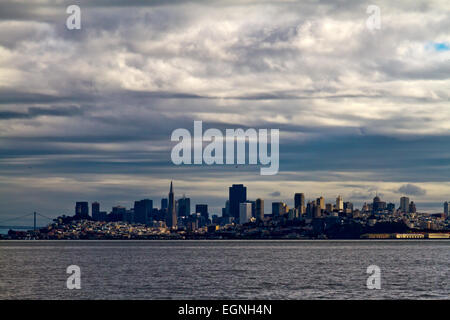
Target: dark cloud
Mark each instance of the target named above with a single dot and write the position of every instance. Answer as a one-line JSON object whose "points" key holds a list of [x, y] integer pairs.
{"points": [[34, 112], [275, 194], [411, 189]]}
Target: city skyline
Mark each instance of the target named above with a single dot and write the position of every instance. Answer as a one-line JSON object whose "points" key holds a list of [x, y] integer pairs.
{"points": [[220, 202], [244, 218], [181, 206]]}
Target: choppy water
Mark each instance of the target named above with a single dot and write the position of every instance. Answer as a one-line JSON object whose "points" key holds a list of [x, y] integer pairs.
{"points": [[225, 269]]}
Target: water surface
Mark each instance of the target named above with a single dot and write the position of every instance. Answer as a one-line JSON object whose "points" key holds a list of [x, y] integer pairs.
{"points": [[411, 269]]}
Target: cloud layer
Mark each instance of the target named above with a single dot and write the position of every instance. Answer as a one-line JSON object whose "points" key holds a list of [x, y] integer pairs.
{"points": [[87, 114]]}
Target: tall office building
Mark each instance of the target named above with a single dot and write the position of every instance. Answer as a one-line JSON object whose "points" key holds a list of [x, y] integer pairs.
{"points": [[340, 203], [203, 210], [142, 211], [259, 208], [164, 203], [184, 207], [412, 207], [279, 209], [299, 202], [320, 202], [226, 209], [390, 207], [118, 213], [446, 208], [317, 211], [95, 211], [171, 218], [404, 204], [82, 210], [378, 205], [348, 207], [237, 195], [253, 208], [310, 209], [245, 212]]}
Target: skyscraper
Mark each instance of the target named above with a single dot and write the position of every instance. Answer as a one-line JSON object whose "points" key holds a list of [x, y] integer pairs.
{"points": [[245, 212], [203, 210], [348, 207], [95, 211], [378, 206], [259, 209], [82, 210], [404, 204], [321, 203], [171, 218], [142, 211], [299, 202], [317, 211], [164, 203], [310, 209], [340, 203], [226, 209], [412, 207], [446, 208], [184, 207], [279, 209], [237, 195]]}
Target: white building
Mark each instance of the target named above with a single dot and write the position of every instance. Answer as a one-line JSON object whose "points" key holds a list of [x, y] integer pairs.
{"points": [[245, 212]]}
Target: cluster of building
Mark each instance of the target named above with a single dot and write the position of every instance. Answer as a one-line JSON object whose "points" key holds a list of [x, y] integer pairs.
{"points": [[244, 218]]}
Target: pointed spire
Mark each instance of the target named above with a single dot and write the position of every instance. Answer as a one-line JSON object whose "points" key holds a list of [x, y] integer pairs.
{"points": [[171, 187]]}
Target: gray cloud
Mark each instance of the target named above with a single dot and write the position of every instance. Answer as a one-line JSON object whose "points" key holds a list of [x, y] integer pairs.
{"points": [[34, 112], [93, 109], [410, 189]]}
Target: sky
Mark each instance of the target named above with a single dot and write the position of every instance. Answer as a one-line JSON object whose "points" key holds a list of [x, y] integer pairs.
{"points": [[87, 115]]}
